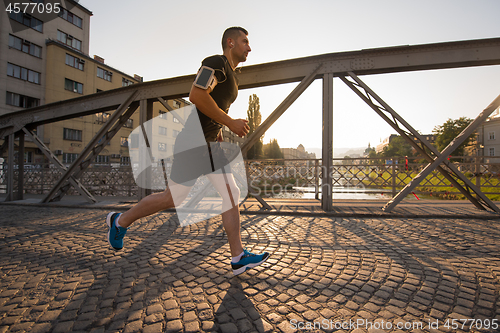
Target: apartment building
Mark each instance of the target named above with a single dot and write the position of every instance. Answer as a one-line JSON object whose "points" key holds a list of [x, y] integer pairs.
{"points": [[43, 62], [23, 53]]}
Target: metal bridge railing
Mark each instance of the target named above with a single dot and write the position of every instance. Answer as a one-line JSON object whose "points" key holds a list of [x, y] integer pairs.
{"points": [[289, 178]]}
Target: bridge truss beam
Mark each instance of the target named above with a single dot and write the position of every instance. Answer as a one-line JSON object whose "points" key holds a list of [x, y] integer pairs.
{"points": [[343, 64], [406, 131]]}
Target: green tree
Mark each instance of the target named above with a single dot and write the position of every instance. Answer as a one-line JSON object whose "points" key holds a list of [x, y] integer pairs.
{"points": [[397, 147], [449, 131], [272, 150], [373, 157], [254, 119]]}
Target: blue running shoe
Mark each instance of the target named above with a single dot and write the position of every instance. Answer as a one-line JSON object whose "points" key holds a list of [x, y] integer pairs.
{"points": [[115, 233], [248, 260]]}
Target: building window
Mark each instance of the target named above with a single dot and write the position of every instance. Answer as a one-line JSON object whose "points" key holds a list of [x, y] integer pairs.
{"points": [[73, 86], [21, 100], [27, 20], [126, 82], [74, 62], [162, 130], [176, 120], [28, 157], [175, 133], [102, 159], [71, 18], [72, 134], [104, 74], [23, 73], [124, 141], [129, 123], [125, 160], [163, 114], [69, 40], [69, 157], [177, 104], [491, 151], [25, 46], [491, 135], [102, 117], [162, 146]]}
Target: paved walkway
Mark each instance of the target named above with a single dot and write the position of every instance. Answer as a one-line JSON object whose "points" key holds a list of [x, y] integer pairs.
{"points": [[367, 274], [373, 208]]}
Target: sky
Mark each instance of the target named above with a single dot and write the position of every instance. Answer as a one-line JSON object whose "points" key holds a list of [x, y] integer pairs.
{"points": [[159, 39]]}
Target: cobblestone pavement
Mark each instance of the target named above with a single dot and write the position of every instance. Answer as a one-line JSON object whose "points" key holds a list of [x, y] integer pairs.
{"points": [[57, 274]]}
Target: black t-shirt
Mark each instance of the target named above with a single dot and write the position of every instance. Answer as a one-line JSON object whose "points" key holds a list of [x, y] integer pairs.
{"points": [[224, 93]]}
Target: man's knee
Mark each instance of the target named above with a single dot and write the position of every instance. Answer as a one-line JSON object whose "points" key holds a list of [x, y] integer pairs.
{"points": [[167, 198]]}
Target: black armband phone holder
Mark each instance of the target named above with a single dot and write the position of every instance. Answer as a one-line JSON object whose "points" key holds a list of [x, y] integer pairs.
{"points": [[205, 78]]}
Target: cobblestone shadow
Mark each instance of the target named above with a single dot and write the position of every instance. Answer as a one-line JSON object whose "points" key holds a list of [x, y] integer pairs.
{"points": [[58, 274]]}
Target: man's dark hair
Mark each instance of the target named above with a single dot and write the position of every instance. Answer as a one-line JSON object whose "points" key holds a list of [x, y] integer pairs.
{"points": [[233, 33]]}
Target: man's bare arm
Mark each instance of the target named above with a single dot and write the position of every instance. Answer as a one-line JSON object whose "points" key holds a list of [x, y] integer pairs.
{"points": [[206, 104]]}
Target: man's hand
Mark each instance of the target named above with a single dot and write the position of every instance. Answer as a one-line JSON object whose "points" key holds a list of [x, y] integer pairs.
{"points": [[239, 127]]}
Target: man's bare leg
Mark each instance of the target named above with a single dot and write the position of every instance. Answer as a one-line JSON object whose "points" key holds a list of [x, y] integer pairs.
{"points": [[118, 223], [154, 203], [230, 193], [231, 223], [227, 188]]}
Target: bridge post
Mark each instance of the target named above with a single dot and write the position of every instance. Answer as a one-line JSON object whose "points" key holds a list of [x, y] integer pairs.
{"points": [[10, 168], [20, 162], [145, 114], [327, 154]]}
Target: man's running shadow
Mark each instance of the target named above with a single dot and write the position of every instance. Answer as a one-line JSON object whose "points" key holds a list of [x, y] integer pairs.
{"points": [[235, 308], [237, 312]]}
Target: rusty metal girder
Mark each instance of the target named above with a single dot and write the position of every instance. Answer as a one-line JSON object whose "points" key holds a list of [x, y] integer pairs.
{"points": [[444, 155], [469, 53], [406, 131], [106, 133]]}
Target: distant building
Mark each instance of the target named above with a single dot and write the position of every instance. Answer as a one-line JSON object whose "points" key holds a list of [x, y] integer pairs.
{"points": [[367, 151], [385, 143], [229, 136], [488, 139], [297, 153], [431, 138]]}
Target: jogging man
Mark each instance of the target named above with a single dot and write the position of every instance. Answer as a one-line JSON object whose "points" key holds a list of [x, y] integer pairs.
{"points": [[212, 99]]}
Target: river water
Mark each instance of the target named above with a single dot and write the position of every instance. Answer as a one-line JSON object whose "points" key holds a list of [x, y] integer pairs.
{"points": [[338, 193]]}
